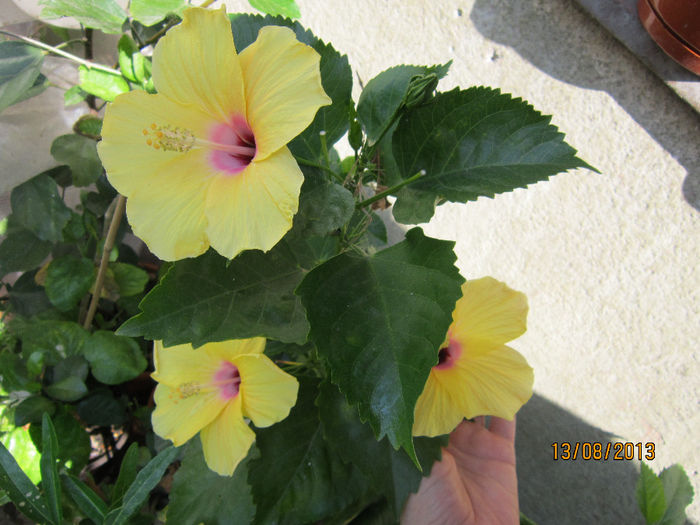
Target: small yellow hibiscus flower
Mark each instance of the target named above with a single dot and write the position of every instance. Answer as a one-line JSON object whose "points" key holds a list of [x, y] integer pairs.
{"points": [[476, 373], [204, 162], [212, 390]]}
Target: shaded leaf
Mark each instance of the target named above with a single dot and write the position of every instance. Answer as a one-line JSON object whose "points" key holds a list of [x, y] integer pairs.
{"points": [[378, 321], [32, 409], [678, 493], [210, 298], [145, 481], [28, 298], [390, 472], [21, 251], [323, 205], [473, 143], [114, 359], [83, 496], [127, 475], [102, 409], [130, 279], [20, 68], [298, 478], [50, 482], [80, 155], [68, 279], [37, 206], [199, 495], [105, 15]]}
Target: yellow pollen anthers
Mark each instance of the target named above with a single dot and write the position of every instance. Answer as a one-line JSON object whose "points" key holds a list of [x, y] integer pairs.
{"points": [[188, 389], [169, 138]]}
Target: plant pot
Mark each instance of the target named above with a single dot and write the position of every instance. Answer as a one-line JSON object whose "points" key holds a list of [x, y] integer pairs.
{"points": [[675, 27]]}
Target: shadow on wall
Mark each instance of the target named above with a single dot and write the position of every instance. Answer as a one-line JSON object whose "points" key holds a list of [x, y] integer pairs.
{"points": [[570, 492], [545, 33]]}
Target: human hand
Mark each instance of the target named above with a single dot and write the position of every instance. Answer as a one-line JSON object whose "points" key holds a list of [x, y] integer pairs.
{"points": [[474, 484]]}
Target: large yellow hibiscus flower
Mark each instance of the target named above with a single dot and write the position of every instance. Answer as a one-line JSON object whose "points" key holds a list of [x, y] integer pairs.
{"points": [[204, 162]]}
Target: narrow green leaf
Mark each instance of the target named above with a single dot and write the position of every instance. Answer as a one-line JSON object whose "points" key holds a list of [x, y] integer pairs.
{"points": [[210, 298], [148, 12], [474, 143], [80, 154], [148, 478], [298, 478], [378, 321], [390, 472], [288, 8], [114, 359], [678, 493], [20, 67], [127, 47], [20, 489], [199, 495], [101, 83], [336, 78], [105, 15], [38, 207], [650, 495], [21, 251], [83, 496], [127, 475], [50, 482], [68, 279]]}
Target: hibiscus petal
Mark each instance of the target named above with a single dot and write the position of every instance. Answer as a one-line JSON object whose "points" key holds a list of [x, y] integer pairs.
{"points": [[267, 392], [492, 380], [180, 364], [196, 63], [282, 87], [255, 208], [436, 412], [125, 154], [489, 311], [168, 211], [228, 350], [227, 439], [181, 413]]}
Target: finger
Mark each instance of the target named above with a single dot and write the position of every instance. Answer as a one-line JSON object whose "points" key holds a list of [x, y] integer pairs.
{"points": [[503, 428]]}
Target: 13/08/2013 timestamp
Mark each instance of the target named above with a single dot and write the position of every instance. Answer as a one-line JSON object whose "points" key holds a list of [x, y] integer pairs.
{"points": [[598, 451]]}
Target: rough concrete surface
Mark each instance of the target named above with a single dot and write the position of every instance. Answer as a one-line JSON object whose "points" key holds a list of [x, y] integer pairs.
{"points": [[608, 261]]}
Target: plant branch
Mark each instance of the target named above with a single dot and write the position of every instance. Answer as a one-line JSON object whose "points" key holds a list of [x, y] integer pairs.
{"points": [[106, 250], [306, 162], [59, 52], [391, 190]]}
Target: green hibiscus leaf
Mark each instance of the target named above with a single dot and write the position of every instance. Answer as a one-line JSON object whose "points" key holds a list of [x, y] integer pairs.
{"points": [[211, 298], [28, 298], [678, 493], [31, 410], [114, 359], [650, 495], [38, 207], [378, 102], [288, 8], [102, 83], [323, 205], [379, 320], [199, 495], [105, 15], [298, 478], [390, 472], [21, 251], [336, 77], [56, 339], [68, 389], [473, 143], [20, 69], [68, 279], [80, 155], [149, 12], [130, 279], [102, 409]]}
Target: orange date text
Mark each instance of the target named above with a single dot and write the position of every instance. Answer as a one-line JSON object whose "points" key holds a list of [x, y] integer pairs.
{"points": [[597, 451]]}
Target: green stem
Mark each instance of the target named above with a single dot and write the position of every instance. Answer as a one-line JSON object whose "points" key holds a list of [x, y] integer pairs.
{"points": [[391, 190], [56, 51], [306, 162], [106, 250]]}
